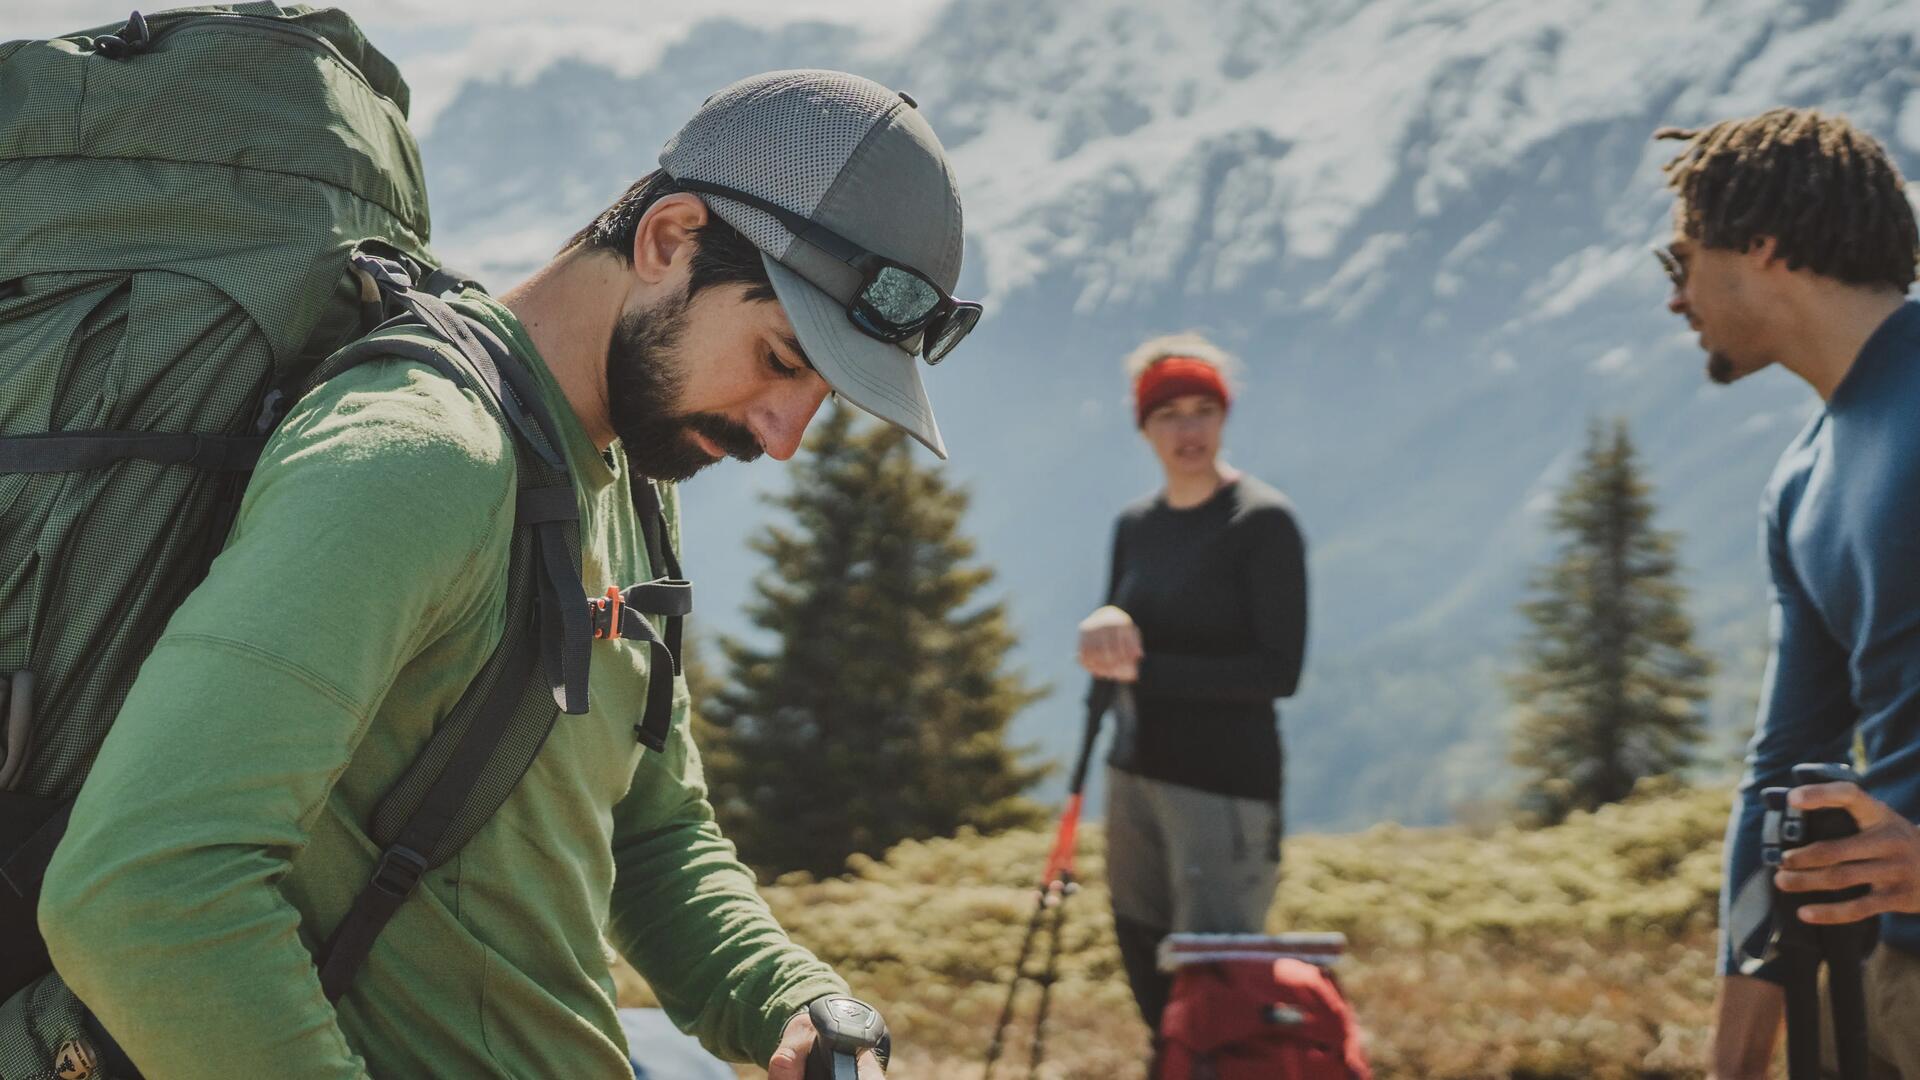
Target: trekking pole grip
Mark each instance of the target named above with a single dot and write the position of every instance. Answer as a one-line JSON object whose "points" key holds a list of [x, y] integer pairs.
{"points": [[844, 1028]]}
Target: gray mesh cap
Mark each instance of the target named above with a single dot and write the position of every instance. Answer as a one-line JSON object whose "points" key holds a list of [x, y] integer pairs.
{"points": [[853, 157]]}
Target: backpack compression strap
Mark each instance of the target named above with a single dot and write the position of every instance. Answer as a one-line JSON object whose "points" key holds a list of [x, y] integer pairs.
{"points": [[73, 451]]}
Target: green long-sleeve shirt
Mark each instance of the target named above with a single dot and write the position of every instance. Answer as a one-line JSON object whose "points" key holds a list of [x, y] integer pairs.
{"points": [[222, 831]]}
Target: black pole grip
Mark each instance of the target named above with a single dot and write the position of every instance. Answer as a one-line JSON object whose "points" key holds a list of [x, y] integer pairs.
{"points": [[1100, 698], [844, 1027]]}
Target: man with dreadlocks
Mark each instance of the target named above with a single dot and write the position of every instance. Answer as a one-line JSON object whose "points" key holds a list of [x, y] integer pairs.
{"points": [[1794, 244]]}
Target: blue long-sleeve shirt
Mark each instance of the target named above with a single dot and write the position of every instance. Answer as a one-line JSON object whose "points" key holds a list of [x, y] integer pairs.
{"points": [[1841, 530]]}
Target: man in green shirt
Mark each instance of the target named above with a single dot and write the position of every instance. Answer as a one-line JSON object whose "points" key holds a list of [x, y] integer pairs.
{"points": [[802, 238]]}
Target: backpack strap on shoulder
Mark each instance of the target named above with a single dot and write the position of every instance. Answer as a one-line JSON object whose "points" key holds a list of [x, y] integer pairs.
{"points": [[566, 639], [479, 753]]}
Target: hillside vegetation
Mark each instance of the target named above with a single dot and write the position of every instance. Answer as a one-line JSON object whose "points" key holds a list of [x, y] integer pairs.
{"points": [[1583, 950]]}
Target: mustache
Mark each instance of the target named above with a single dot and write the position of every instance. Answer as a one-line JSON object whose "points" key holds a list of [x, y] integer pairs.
{"points": [[738, 443]]}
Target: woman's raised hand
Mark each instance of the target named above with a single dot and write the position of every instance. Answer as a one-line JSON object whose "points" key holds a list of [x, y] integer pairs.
{"points": [[1110, 645]]}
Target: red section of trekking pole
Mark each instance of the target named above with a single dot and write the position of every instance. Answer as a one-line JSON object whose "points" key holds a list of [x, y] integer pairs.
{"points": [[1056, 884], [1060, 863]]}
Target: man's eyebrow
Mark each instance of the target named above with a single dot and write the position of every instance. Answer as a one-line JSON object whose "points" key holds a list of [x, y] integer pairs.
{"points": [[793, 343]]}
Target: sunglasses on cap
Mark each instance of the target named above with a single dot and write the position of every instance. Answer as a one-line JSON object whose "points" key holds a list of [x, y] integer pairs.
{"points": [[885, 300]]}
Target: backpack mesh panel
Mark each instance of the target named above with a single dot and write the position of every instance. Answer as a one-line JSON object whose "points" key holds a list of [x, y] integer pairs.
{"points": [[35, 1024]]}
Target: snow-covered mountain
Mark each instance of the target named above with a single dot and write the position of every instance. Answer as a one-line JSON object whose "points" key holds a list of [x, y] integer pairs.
{"points": [[1422, 223]]}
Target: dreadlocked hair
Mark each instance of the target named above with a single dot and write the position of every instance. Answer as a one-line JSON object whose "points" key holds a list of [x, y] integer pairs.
{"points": [[1825, 191]]}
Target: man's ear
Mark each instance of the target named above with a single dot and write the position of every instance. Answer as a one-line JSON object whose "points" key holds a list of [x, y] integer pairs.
{"points": [[1764, 250], [666, 237]]}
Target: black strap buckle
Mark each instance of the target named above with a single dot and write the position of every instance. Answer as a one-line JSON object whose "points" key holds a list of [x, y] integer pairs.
{"points": [[399, 871]]}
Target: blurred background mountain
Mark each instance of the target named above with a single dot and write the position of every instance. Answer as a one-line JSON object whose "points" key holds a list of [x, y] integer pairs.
{"points": [[1422, 223]]}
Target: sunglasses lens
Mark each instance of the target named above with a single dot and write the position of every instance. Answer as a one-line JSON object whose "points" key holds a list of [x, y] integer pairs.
{"points": [[948, 333], [900, 300], [861, 317]]}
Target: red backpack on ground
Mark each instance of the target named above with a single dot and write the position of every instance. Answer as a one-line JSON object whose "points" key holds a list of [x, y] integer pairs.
{"points": [[1259, 1019]]}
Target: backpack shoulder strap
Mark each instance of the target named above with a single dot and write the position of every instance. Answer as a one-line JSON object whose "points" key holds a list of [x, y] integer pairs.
{"points": [[478, 754], [425, 328]]}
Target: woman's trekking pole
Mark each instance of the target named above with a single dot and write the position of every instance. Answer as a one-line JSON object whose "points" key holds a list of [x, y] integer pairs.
{"points": [[1056, 885]]}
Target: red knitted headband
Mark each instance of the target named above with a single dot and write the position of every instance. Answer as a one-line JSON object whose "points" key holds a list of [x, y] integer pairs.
{"points": [[1176, 376]]}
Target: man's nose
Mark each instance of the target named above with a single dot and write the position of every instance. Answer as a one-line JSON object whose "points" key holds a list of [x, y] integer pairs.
{"points": [[782, 424], [1677, 300]]}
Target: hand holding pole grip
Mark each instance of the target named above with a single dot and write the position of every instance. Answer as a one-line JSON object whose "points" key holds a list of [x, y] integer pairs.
{"points": [[1787, 828], [844, 1027]]}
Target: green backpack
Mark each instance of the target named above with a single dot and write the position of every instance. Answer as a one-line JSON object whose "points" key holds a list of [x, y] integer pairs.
{"points": [[208, 212]]}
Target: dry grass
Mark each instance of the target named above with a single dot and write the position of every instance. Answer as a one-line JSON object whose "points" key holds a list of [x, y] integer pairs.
{"points": [[1580, 951]]}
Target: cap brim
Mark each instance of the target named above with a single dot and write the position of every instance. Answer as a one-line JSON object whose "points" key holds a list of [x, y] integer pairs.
{"points": [[880, 378]]}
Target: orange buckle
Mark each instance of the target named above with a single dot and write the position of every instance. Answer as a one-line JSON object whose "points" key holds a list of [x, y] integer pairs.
{"points": [[610, 607]]}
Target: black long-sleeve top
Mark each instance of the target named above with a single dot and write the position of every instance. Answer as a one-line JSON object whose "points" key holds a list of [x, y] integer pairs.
{"points": [[1219, 592]]}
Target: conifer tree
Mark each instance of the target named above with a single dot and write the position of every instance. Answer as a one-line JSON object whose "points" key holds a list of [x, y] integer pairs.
{"points": [[1612, 686], [877, 710]]}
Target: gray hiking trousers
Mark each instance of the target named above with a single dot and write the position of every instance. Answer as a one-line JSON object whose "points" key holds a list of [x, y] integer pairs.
{"points": [[1190, 861], [1182, 860]]}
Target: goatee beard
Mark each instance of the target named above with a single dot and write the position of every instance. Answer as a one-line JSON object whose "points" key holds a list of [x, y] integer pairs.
{"points": [[1721, 368], [645, 382]]}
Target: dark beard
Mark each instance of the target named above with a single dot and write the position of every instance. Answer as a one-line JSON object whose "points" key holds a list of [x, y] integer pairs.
{"points": [[644, 385], [1721, 369]]}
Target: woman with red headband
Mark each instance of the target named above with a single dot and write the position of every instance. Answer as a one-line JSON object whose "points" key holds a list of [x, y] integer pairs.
{"points": [[1205, 621]]}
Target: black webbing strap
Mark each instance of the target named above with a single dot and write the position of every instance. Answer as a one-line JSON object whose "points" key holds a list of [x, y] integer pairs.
{"points": [[490, 361], [653, 529], [566, 635], [407, 859], [671, 597], [566, 638], [625, 617], [657, 722], [77, 450], [543, 514], [661, 596], [621, 614], [565, 650]]}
